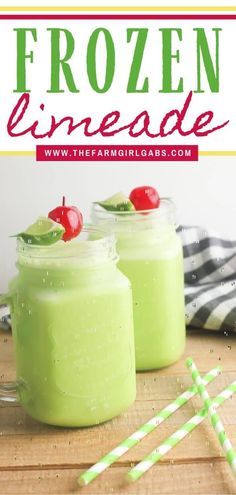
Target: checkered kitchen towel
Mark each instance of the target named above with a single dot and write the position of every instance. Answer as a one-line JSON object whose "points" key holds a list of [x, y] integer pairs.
{"points": [[5, 322], [210, 281]]}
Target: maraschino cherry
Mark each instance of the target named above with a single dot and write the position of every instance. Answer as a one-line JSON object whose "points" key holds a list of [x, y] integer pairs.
{"points": [[68, 216], [145, 198]]}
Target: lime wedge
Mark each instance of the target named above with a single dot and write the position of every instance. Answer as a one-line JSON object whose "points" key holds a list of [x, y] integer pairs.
{"points": [[43, 232], [117, 202]]}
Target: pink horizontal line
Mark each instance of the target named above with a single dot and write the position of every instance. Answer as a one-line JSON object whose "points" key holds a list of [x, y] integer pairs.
{"points": [[161, 17]]}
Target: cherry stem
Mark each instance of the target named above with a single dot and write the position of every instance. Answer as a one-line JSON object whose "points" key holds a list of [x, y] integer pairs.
{"points": [[63, 200]]}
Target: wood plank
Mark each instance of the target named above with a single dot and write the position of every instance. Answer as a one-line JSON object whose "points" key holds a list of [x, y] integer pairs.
{"points": [[36, 458], [207, 348], [49, 446], [165, 478], [154, 386]]}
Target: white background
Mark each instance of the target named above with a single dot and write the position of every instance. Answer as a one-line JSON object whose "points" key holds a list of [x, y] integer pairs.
{"points": [[117, 2], [204, 193], [83, 104]]}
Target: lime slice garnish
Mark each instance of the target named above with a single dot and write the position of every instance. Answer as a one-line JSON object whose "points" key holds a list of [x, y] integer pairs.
{"points": [[117, 202], [43, 232]]}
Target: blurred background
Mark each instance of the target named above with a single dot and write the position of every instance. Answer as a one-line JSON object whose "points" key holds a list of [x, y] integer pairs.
{"points": [[204, 192]]}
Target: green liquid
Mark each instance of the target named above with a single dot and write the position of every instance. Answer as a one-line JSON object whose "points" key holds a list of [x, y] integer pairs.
{"points": [[73, 337], [155, 270]]}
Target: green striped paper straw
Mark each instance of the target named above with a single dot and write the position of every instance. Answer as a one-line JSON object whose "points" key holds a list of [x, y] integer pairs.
{"points": [[214, 417], [134, 439], [155, 456]]}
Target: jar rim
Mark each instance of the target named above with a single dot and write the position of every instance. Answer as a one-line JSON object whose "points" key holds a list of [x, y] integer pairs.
{"points": [[165, 211], [101, 248]]}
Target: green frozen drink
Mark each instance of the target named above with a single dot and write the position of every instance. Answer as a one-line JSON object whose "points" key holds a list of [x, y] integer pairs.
{"points": [[72, 327], [151, 257]]}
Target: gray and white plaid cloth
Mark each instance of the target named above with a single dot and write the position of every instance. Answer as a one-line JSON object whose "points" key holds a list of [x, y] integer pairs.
{"points": [[210, 281], [5, 320]]}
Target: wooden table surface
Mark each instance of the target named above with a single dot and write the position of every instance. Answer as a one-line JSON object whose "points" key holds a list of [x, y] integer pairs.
{"points": [[39, 459]]}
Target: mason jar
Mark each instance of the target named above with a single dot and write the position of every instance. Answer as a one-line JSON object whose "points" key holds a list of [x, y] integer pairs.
{"points": [[72, 323], [151, 257]]}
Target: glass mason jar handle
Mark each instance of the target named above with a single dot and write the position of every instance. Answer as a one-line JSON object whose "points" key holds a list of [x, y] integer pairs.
{"points": [[8, 391]]}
